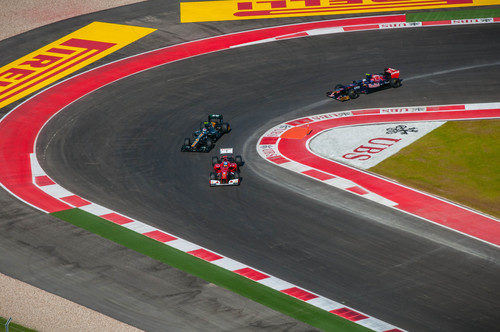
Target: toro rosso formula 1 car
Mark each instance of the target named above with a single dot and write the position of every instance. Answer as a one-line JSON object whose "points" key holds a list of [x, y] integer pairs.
{"points": [[373, 82], [226, 169], [210, 131]]}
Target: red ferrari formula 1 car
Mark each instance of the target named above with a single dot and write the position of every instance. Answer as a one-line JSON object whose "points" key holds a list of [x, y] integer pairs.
{"points": [[226, 169]]}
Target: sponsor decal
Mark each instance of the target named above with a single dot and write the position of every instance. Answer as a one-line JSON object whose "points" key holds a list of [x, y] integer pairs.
{"points": [[473, 21], [269, 150], [278, 130], [255, 9], [400, 25], [63, 57], [331, 115], [366, 146], [403, 110]]}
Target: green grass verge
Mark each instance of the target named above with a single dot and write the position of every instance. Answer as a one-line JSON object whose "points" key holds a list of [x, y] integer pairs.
{"points": [[459, 160], [452, 14], [13, 327], [271, 298]]}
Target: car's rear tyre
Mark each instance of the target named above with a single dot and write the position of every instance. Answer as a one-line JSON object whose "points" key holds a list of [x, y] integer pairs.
{"points": [[236, 175], [353, 94], [225, 128], [395, 82], [209, 144], [215, 160], [238, 160]]}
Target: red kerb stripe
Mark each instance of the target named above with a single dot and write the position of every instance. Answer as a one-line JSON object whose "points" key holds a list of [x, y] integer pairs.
{"points": [[251, 274], [268, 140], [75, 200], [349, 314], [205, 255], [366, 112], [278, 159], [299, 293], [43, 180], [299, 122], [361, 27], [445, 108], [436, 22], [357, 190], [160, 236], [116, 218], [318, 175]]}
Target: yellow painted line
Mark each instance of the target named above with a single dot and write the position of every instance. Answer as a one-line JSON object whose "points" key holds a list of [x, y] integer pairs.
{"points": [[255, 9], [63, 57]]}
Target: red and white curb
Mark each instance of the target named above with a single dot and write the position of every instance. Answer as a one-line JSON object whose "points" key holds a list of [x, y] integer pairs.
{"points": [[376, 26], [294, 154], [49, 186], [22, 176]]}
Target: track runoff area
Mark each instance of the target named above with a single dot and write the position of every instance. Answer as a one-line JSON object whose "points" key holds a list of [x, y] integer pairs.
{"points": [[22, 176]]}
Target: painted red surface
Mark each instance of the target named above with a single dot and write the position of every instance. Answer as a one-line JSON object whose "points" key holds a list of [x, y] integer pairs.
{"points": [[299, 293], [409, 200], [116, 218], [251, 274], [20, 127], [349, 314], [205, 254], [160, 236]]}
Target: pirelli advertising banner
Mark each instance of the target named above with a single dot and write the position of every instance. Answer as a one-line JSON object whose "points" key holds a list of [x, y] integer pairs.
{"points": [[63, 57], [254, 9]]}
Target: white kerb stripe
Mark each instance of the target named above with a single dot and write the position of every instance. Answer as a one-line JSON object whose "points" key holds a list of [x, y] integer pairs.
{"points": [[36, 169], [276, 283], [139, 227], [379, 199], [325, 304], [183, 245], [56, 191], [96, 209], [229, 264]]}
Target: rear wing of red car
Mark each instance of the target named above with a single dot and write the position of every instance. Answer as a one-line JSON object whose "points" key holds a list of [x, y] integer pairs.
{"points": [[394, 73]]}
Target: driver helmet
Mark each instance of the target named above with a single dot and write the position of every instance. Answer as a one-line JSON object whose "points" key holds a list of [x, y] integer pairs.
{"points": [[225, 163], [204, 129]]}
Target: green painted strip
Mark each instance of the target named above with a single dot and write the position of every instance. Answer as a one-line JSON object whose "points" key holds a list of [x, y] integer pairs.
{"points": [[13, 327], [452, 14], [262, 294]]}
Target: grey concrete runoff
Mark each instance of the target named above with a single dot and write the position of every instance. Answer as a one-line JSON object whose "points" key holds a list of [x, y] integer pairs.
{"points": [[120, 147]]}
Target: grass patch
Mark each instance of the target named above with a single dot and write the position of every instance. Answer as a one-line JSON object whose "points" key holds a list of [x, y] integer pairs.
{"points": [[459, 161], [271, 298], [13, 327], [452, 14]]}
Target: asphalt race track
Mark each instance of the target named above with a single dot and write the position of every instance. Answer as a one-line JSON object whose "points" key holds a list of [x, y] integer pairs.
{"points": [[120, 147]]}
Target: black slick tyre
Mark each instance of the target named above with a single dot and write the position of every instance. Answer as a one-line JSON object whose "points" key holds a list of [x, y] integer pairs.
{"points": [[238, 160], [353, 94]]}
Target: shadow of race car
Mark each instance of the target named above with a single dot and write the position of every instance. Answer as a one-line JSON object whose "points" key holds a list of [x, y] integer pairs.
{"points": [[204, 138], [371, 83], [226, 169]]}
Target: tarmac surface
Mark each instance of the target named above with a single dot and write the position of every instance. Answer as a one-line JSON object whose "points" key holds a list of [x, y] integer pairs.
{"points": [[120, 147]]}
